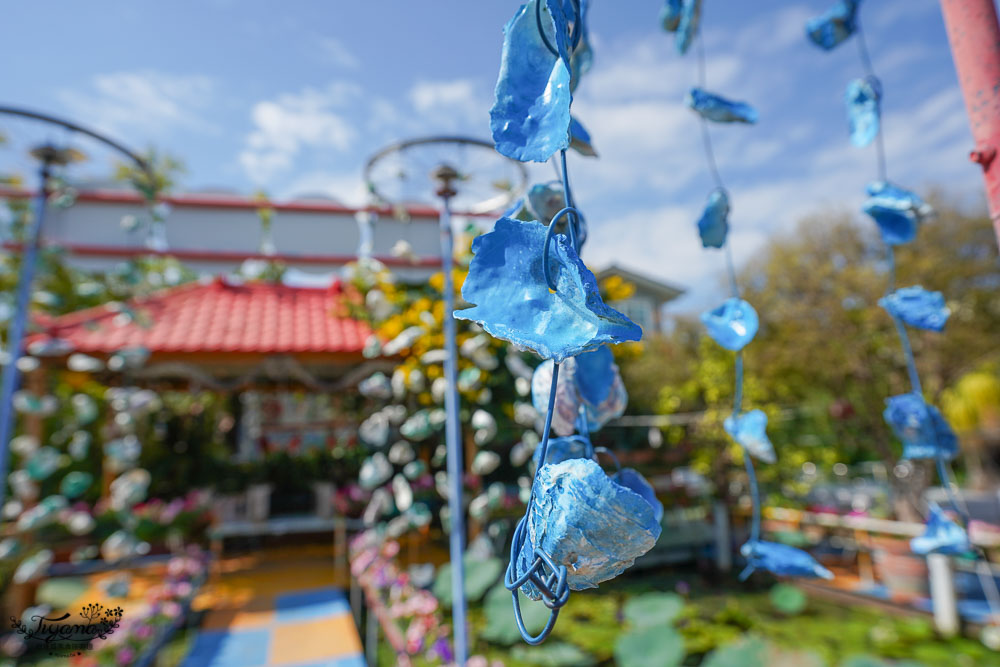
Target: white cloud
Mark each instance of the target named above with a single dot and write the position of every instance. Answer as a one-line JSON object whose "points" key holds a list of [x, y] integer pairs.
{"points": [[456, 104], [336, 52], [141, 104], [287, 125]]}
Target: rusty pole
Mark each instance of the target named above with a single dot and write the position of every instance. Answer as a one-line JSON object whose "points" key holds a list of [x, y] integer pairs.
{"points": [[974, 34]]}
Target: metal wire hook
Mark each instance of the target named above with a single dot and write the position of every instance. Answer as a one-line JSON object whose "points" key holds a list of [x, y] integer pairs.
{"points": [[575, 35], [611, 455], [569, 210]]}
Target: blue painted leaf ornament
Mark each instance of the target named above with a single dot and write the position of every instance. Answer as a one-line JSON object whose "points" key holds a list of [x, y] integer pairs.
{"points": [[590, 381], [563, 449], [718, 109], [530, 117], [713, 225], [512, 301], [634, 481], [917, 307], [750, 431], [566, 408], [921, 427], [896, 211], [586, 521], [545, 200], [733, 324], [834, 26], [780, 559], [687, 25], [941, 536], [599, 384], [579, 139], [670, 15], [863, 99]]}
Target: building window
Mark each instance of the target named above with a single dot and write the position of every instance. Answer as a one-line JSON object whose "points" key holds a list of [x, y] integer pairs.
{"points": [[639, 311]]}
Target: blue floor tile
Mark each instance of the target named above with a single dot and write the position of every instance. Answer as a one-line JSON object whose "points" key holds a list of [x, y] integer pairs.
{"points": [[244, 648], [310, 605]]}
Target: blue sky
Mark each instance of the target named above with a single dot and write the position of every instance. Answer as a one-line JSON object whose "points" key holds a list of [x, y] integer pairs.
{"points": [[294, 96]]}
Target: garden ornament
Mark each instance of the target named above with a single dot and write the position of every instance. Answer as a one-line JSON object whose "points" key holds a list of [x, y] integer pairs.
{"points": [[896, 211], [375, 430], [81, 363], [375, 471], [530, 118], [941, 536], [513, 300], [718, 109], [579, 140], [485, 462], [733, 324], [780, 559], [713, 225], [33, 567], [834, 26], [917, 307], [750, 431], [688, 24], [863, 97], [924, 431]]}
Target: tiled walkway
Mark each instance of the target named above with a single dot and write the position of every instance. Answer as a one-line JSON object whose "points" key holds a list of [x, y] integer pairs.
{"points": [[283, 612]]}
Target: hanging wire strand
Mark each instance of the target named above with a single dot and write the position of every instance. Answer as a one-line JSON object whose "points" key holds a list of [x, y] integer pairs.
{"points": [[706, 136], [866, 63], [983, 571]]}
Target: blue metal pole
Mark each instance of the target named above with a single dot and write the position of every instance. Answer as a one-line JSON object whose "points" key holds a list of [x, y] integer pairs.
{"points": [[15, 334], [453, 442]]}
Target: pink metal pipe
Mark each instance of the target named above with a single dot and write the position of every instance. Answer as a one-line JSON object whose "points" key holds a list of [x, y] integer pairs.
{"points": [[974, 34]]}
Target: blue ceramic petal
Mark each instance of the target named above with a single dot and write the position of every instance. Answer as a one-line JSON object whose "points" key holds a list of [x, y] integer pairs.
{"points": [[833, 27], [599, 384], [512, 300], [941, 536], [586, 521], [863, 97], [563, 449], [545, 200], [632, 480], [896, 211], [567, 404], [579, 139], [595, 374], [750, 431], [733, 324], [713, 225], [924, 432], [782, 560], [917, 307], [718, 109], [670, 15], [530, 117], [687, 26]]}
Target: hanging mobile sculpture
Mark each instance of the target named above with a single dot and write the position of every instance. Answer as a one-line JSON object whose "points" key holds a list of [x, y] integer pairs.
{"points": [[898, 213], [734, 323], [527, 285]]}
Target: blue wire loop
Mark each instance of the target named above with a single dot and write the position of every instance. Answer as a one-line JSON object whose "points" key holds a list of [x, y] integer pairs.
{"points": [[611, 455], [566, 212], [575, 35], [547, 577]]}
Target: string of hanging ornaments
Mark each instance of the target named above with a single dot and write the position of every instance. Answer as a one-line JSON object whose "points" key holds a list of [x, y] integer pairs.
{"points": [[527, 285], [898, 213], [734, 323]]}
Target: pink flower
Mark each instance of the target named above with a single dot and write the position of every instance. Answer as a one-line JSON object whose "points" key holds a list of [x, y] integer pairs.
{"points": [[125, 656]]}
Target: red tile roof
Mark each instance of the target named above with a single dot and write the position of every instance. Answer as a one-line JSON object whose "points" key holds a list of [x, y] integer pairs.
{"points": [[217, 317]]}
